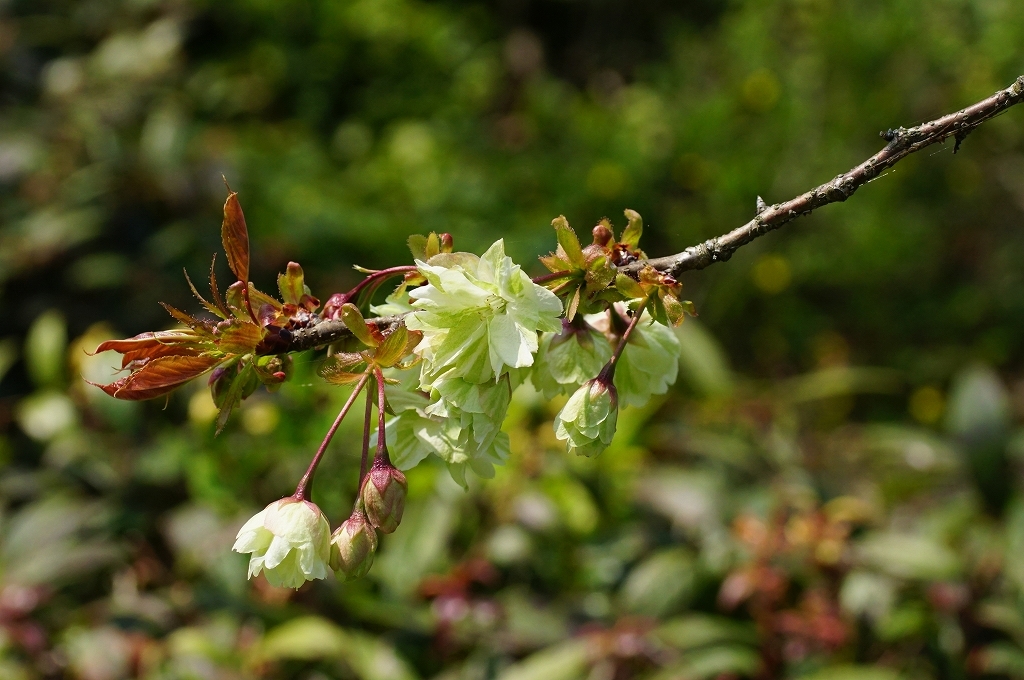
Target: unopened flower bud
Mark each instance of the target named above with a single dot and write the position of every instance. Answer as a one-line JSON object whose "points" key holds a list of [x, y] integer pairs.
{"points": [[383, 494], [587, 421], [353, 545], [602, 234], [447, 243]]}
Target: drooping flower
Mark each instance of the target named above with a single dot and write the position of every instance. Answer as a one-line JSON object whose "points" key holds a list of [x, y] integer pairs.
{"points": [[587, 421], [568, 359], [353, 545], [289, 542], [479, 316]]}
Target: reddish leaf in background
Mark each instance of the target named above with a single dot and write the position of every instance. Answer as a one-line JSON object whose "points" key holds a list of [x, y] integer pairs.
{"points": [[159, 376], [235, 238]]}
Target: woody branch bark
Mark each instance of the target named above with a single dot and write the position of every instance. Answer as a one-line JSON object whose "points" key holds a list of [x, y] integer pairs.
{"points": [[901, 143]]}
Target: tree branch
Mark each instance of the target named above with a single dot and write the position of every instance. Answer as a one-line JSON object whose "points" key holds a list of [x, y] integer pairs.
{"points": [[902, 143], [325, 332]]}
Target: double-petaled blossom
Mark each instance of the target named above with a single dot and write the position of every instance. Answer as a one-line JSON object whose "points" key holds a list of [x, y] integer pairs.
{"points": [[458, 421], [479, 316], [587, 421], [567, 359], [289, 541]]}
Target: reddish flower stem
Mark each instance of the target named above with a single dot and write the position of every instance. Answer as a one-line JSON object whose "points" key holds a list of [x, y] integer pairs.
{"points": [[302, 491], [608, 372], [366, 437], [554, 276], [376, 276], [382, 447]]}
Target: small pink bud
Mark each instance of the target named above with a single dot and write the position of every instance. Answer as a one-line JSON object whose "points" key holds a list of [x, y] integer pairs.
{"points": [[602, 235]]}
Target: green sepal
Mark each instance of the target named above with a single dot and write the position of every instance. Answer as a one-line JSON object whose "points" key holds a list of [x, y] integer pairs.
{"points": [[394, 347], [238, 381], [628, 287], [354, 321], [292, 284], [418, 247], [635, 229], [568, 241]]}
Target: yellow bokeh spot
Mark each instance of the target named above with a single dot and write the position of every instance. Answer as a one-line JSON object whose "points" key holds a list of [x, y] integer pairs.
{"points": [[772, 274], [260, 418], [201, 409], [927, 405], [761, 91], [606, 180]]}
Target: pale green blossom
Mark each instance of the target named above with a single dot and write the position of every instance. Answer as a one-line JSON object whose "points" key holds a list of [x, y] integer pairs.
{"points": [[479, 316], [459, 422], [649, 362], [289, 541], [568, 359], [587, 421]]}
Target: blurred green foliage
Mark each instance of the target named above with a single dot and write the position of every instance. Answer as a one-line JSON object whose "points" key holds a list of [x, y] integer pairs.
{"points": [[832, 491]]}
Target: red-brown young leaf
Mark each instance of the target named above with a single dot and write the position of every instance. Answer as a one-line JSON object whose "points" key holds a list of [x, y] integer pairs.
{"points": [[211, 308], [215, 290], [160, 376], [238, 336], [152, 345], [235, 238], [181, 317]]}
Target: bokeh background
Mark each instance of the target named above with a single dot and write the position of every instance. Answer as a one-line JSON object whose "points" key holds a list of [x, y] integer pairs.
{"points": [[833, 489]]}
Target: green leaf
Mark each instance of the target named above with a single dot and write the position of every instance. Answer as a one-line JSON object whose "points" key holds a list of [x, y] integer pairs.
{"points": [[628, 287], [306, 638], [600, 273], [45, 348], [292, 284], [909, 556], [659, 584], [354, 321], [635, 229], [568, 241], [699, 630], [565, 661], [574, 304], [391, 351], [433, 245], [418, 247], [237, 383], [853, 672]]}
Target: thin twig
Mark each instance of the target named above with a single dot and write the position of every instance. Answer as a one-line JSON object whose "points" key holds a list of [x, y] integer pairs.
{"points": [[902, 143]]}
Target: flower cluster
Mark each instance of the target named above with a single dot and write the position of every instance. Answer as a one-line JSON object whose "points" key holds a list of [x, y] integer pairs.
{"points": [[445, 353]]}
